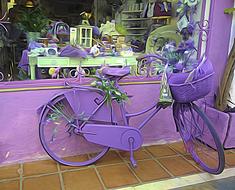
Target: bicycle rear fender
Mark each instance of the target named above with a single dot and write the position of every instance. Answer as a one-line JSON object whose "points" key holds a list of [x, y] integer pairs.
{"points": [[84, 101]]}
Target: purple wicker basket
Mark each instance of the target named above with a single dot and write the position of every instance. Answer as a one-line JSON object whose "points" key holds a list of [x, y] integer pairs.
{"points": [[200, 85]]}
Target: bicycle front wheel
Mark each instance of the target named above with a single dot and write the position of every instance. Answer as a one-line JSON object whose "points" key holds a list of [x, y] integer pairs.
{"points": [[199, 136], [59, 134]]}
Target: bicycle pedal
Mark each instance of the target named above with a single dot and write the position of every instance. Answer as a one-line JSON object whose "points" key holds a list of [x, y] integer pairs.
{"points": [[132, 159]]}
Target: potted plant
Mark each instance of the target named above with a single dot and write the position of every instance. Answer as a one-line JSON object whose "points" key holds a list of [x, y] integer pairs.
{"points": [[33, 22]]}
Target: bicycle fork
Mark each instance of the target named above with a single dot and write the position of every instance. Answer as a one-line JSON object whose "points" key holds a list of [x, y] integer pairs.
{"points": [[119, 137]]}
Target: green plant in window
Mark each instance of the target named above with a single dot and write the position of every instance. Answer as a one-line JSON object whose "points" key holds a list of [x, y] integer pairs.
{"points": [[32, 20]]}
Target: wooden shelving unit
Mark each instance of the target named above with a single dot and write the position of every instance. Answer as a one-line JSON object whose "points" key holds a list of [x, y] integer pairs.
{"points": [[134, 28], [135, 19], [134, 23], [136, 11], [135, 34]]}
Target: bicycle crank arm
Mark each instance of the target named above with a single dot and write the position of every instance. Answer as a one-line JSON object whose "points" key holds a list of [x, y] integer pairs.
{"points": [[113, 136]]}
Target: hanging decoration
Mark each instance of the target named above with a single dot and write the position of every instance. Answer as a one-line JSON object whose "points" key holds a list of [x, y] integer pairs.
{"points": [[186, 10]]}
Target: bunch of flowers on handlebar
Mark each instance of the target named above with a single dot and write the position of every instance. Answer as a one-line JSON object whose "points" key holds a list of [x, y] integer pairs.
{"points": [[180, 58], [185, 11]]}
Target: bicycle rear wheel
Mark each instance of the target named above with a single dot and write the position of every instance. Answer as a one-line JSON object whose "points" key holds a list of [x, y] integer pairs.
{"points": [[199, 136], [59, 134]]}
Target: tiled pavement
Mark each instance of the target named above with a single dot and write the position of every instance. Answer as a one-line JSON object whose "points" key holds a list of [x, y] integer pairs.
{"points": [[155, 163]]}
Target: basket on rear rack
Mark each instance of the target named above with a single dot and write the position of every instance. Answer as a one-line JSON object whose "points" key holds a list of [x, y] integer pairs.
{"points": [[189, 87]]}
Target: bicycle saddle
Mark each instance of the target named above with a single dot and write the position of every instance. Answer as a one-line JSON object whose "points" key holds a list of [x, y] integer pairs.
{"points": [[116, 72]]}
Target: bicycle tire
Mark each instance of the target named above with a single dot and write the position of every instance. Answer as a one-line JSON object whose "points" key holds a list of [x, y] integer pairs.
{"points": [[198, 134], [75, 150]]}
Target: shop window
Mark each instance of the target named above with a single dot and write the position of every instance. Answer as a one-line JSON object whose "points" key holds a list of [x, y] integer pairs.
{"points": [[113, 32]]}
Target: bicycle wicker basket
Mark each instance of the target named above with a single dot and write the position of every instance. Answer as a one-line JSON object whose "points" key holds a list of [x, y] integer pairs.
{"points": [[200, 85]]}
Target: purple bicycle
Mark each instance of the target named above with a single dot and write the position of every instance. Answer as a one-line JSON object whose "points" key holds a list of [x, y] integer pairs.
{"points": [[79, 126]]}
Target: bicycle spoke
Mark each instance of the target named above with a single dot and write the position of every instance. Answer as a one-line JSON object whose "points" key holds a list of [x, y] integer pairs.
{"points": [[58, 113]]}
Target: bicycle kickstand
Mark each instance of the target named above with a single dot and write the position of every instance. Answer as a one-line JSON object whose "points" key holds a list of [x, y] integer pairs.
{"points": [[131, 144]]}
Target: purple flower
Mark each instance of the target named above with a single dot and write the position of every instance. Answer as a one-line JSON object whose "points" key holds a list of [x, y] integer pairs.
{"points": [[181, 45], [179, 66], [179, 3], [191, 27], [189, 44]]}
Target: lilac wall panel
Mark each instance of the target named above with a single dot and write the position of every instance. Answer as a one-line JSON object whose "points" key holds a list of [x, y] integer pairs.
{"points": [[19, 139]]}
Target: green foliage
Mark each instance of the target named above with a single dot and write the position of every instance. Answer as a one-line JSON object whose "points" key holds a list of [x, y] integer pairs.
{"points": [[174, 57], [121, 29], [110, 90], [139, 1], [32, 20]]}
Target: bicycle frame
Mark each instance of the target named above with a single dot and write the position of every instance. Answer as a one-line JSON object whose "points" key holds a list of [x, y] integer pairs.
{"points": [[154, 109]]}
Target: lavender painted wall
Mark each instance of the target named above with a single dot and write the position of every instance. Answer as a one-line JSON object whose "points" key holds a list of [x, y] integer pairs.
{"points": [[19, 122]]}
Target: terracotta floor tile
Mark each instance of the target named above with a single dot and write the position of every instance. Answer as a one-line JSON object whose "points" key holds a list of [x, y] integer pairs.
{"points": [[140, 154], [230, 158], [13, 185], [39, 167], [149, 170], [178, 147], [51, 182], [83, 179], [117, 176], [74, 159], [178, 166], [11, 171], [111, 157], [160, 150]]}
